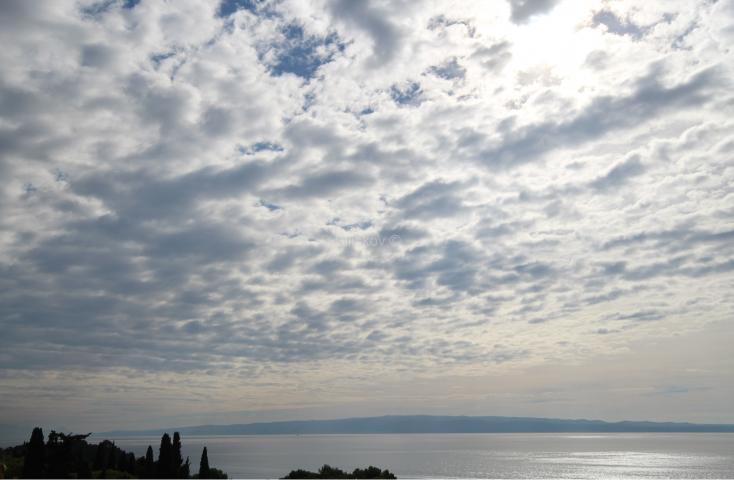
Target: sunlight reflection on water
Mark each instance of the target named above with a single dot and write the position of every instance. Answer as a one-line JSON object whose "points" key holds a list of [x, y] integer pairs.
{"points": [[598, 456]]}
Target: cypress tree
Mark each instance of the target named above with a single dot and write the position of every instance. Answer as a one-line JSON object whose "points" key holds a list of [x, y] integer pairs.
{"points": [[149, 469], [165, 458], [204, 465], [34, 459], [177, 460]]}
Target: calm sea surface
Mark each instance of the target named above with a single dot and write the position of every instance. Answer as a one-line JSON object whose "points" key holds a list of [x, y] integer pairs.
{"points": [[634, 455]]}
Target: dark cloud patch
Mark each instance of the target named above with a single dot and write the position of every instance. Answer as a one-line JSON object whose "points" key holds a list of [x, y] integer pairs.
{"points": [[494, 57], [384, 34], [348, 227], [404, 233], [453, 265], [97, 56], [636, 317], [329, 267], [523, 10], [442, 21], [681, 238], [436, 199], [619, 174], [140, 195], [324, 184], [286, 258]]}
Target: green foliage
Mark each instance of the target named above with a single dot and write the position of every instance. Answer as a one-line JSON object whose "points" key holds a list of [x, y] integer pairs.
{"points": [[111, 473], [13, 464], [216, 473], [328, 471]]}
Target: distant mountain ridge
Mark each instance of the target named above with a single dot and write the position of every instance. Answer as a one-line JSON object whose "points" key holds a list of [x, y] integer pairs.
{"points": [[431, 424]]}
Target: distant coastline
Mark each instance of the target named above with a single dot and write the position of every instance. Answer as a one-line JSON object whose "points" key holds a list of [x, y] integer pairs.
{"points": [[435, 425]]}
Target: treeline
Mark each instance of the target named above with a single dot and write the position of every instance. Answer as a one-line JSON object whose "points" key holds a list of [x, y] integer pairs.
{"points": [[70, 456], [328, 471]]}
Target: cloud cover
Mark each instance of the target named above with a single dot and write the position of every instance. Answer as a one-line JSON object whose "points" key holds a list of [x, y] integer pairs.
{"points": [[294, 202]]}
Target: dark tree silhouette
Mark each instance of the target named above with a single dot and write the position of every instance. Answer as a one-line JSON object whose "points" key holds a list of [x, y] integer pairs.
{"points": [[149, 465], [177, 460], [34, 459], [82, 469], [70, 456], [121, 464], [185, 469], [111, 457], [327, 471], [204, 465], [130, 467], [100, 456], [165, 458]]}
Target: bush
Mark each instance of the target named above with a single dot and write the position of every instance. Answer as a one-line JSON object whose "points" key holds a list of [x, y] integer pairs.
{"points": [[327, 471]]}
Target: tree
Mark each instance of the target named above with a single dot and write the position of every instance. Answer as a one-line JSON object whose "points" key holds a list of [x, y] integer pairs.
{"points": [[130, 464], [83, 469], [177, 460], [204, 465], [34, 459], [185, 469], [149, 465], [101, 455], [111, 457], [121, 462], [165, 458]]}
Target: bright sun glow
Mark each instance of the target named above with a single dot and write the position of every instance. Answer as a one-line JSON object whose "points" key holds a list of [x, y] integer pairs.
{"points": [[560, 39]]}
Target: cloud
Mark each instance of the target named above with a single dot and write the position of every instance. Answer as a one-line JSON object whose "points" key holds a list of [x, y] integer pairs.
{"points": [[619, 174], [384, 34], [326, 183], [523, 10], [603, 116], [301, 203]]}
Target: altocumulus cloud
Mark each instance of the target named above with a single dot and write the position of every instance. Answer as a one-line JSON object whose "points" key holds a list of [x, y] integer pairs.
{"points": [[179, 179]]}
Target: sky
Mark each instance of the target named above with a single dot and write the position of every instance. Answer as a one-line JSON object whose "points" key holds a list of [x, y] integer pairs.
{"points": [[261, 210]]}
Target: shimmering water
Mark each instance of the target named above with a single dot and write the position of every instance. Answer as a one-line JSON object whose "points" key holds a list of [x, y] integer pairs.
{"points": [[621, 455]]}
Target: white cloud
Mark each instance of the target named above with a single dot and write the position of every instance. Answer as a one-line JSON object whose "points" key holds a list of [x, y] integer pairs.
{"points": [[425, 189]]}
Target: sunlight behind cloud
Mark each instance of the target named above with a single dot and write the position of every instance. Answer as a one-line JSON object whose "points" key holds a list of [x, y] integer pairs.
{"points": [[559, 39]]}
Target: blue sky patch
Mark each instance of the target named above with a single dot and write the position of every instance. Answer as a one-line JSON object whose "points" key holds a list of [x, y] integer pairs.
{"points": [[449, 70], [270, 206], [301, 54], [260, 147], [408, 95], [228, 7]]}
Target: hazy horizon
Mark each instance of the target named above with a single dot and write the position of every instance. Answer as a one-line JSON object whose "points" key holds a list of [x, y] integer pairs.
{"points": [[249, 211]]}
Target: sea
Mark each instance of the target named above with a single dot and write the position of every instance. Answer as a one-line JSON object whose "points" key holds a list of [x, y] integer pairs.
{"points": [[516, 455]]}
